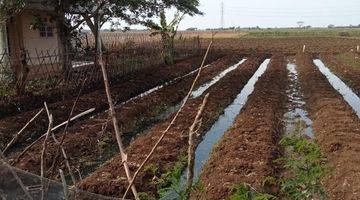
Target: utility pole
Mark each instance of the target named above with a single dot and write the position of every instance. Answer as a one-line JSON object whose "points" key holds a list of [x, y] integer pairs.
{"points": [[222, 15]]}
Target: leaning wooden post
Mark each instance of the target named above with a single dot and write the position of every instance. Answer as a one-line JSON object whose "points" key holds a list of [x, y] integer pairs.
{"points": [[191, 148], [112, 110]]}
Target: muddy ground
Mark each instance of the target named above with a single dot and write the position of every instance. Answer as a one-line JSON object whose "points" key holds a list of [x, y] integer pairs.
{"points": [[346, 73], [246, 152], [92, 142], [175, 143], [336, 129], [11, 125]]}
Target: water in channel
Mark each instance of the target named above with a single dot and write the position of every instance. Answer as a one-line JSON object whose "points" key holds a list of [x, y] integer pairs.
{"points": [[218, 129], [296, 106], [350, 97]]}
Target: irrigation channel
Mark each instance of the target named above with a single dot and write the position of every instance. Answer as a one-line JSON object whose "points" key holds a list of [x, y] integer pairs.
{"points": [[348, 94], [217, 130], [198, 92], [296, 106]]}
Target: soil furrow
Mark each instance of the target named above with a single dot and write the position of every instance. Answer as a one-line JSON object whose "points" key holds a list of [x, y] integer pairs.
{"points": [[347, 73], [60, 110], [246, 152], [336, 129], [109, 179], [92, 142]]}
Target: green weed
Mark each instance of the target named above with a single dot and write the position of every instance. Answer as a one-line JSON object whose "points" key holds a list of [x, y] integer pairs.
{"points": [[246, 192], [170, 181], [305, 164]]}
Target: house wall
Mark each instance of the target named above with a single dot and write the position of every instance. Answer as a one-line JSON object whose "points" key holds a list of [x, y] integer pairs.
{"points": [[36, 45]]}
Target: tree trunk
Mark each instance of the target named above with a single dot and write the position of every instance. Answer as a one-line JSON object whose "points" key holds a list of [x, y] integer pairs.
{"points": [[168, 49]]}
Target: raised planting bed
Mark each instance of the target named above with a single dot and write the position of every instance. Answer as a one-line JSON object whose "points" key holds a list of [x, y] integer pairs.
{"points": [[349, 74], [109, 179], [336, 129], [92, 142], [246, 152], [11, 125]]}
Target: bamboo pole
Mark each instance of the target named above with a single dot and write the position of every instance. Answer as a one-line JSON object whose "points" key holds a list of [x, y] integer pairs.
{"points": [[171, 123]]}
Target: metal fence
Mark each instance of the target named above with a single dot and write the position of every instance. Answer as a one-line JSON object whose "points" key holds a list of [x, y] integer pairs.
{"points": [[51, 69]]}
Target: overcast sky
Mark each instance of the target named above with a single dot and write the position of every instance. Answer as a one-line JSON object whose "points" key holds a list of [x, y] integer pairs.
{"points": [[275, 13]]}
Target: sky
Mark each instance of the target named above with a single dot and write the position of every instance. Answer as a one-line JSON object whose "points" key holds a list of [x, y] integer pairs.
{"points": [[275, 13]]}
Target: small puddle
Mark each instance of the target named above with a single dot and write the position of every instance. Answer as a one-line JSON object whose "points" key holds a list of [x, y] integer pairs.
{"points": [[218, 129], [296, 106], [350, 97], [217, 78]]}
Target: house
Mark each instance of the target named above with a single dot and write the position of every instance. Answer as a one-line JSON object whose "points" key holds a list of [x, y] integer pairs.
{"points": [[31, 49]]}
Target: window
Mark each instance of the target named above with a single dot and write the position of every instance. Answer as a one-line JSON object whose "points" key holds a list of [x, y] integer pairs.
{"points": [[46, 31]]}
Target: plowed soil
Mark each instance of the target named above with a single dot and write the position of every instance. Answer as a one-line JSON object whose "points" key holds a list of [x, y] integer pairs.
{"points": [[92, 142], [108, 179], [61, 110], [346, 73], [336, 128], [246, 152], [286, 45]]}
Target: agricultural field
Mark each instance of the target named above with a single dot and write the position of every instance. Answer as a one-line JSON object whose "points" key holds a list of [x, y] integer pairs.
{"points": [[270, 118]]}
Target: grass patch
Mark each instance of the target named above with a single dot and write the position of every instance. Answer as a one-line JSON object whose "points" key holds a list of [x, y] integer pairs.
{"points": [[312, 32]]}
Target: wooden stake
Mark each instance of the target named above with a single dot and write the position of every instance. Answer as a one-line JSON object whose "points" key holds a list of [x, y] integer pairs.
{"points": [[50, 117], [191, 149], [63, 181], [112, 111]]}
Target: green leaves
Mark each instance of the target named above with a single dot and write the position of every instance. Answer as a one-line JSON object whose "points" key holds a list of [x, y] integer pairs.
{"points": [[305, 163], [246, 192], [170, 181]]}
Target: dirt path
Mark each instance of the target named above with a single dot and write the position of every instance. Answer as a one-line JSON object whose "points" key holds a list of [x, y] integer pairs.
{"points": [[246, 151], [91, 143], [336, 128], [347, 73], [60, 110], [107, 179]]}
